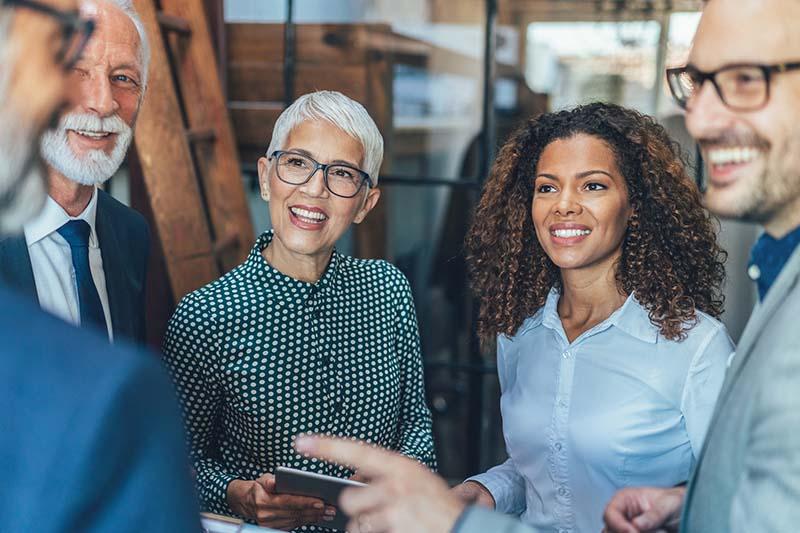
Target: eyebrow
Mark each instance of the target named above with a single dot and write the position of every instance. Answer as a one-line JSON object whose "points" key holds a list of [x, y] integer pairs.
{"points": [[579, 175], [309, 154], [128, 66]]}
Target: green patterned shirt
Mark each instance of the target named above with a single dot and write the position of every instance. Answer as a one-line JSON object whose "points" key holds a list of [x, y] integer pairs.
{"points": [[259, 357]]}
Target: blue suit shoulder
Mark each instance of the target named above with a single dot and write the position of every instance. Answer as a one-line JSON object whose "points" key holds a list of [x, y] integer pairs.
{"points": [[93, 432]]}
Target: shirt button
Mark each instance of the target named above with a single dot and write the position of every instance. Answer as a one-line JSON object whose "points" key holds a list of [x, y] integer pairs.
{"points": [[558, 446], [562, 402], [562, 491], [566, 354], [754, 272]]}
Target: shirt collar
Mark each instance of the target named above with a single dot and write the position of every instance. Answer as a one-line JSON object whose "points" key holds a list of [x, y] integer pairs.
{"points": [[53, 216], [767, 258], [276, 281], [631, 318]]}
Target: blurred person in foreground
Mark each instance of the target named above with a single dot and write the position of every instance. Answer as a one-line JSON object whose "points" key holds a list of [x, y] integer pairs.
{"points": [[84, 257], [741, 92], [91, 434], [300, 337]]}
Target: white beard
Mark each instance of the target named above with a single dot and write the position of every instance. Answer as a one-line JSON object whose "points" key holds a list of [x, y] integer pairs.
{"points": [[96, 166]]}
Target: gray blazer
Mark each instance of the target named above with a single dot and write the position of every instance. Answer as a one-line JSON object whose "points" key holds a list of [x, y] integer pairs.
{"points": [[747, 478]]}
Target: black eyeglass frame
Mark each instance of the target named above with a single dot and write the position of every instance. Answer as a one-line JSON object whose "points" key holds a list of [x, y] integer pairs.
{"points": [[365, 177], [767, 70], [71, 23]]}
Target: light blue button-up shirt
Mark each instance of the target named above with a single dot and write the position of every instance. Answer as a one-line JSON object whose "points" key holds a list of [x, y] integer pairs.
{"points": [[619, 406]]}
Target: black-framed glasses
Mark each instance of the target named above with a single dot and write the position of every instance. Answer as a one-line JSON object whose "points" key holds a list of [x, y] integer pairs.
{"points": [[75, 31], [741, 87], [342, 180]]}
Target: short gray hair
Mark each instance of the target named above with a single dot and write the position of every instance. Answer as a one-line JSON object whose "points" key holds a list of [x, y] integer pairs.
{"points": [[144, 44], [9, 52], [341, 111]]}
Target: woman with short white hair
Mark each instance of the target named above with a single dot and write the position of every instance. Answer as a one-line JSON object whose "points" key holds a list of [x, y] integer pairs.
{"points": [[300, 338]]}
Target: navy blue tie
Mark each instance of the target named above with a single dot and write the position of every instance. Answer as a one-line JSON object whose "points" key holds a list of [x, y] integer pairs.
{"points": [[76, 233]]}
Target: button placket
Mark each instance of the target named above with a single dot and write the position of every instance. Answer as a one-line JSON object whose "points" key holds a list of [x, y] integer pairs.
{"points": [[561, 430]]}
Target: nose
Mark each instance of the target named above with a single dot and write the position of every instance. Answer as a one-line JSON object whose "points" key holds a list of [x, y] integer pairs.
{"points": [[706, 114], [315, 186], [97, 95], [567, 204]]}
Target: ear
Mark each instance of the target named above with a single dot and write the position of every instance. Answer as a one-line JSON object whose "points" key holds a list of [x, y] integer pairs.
{"points": [[369, 202], [263, 178]]}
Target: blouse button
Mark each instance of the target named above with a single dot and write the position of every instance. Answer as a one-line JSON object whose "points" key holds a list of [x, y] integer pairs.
{"points": [[562, 491], [558, 446]]}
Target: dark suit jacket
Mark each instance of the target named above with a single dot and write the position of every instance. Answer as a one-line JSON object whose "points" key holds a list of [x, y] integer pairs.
{"points": [[124, 245], [91, 436]]}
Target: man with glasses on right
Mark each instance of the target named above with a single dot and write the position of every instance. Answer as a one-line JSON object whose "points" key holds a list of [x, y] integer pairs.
{"points": [[741, 92]]}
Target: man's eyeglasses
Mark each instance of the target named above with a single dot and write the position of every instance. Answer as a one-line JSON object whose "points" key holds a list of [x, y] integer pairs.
{"points": [[75, 31], [741, 87], [342, 180]]}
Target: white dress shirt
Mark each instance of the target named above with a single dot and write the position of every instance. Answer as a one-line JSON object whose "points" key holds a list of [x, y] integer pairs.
{"points": [[619, 406], [51, 261]]}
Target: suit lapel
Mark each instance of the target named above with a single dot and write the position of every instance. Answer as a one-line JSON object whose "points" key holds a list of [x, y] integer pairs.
{"points": [[15, 266], [115, 271], [763, 313], [755, 326]]}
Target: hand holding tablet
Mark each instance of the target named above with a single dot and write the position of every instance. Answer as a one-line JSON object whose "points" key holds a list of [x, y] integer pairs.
{"points": [[311, 484]]}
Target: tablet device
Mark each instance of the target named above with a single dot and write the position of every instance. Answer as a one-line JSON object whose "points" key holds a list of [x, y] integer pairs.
{"points": [[326, 488]]}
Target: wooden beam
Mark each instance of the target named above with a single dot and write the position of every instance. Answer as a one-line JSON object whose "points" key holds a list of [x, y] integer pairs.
{"points": [[263, 82], [217, 163], [170, 181], [201, 135], [174, 24]]}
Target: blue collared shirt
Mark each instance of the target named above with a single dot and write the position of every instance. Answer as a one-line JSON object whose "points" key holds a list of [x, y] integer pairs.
{"points": [[619, 406], [768, 257]]}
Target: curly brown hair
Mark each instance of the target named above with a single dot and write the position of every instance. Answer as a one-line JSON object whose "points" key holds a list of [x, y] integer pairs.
{"points": [[670, 256]]}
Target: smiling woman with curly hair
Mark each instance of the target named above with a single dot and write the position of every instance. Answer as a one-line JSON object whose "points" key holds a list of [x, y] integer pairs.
{"points": [[599, 273]]}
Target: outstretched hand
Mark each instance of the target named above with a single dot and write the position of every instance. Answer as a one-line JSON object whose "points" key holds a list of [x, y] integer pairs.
{"points": [[402, 494]]}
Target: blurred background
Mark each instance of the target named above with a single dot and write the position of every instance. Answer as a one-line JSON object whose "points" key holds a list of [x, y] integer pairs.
{"points": [[447, 81]]}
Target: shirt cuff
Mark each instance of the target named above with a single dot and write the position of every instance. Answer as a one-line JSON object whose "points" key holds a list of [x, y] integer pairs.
{"points": [[214, 492], [499, 489]]}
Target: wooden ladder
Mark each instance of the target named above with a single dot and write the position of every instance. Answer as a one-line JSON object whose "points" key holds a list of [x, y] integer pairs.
{"points": [[186, 150]]}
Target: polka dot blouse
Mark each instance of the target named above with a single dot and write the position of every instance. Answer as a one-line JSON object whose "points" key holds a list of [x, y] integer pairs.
{"points": [[259, 357]]}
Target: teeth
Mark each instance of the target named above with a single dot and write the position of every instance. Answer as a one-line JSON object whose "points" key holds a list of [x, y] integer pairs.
{"points": [[735, 155], [310, 215], [92, 134], [567, 233]]}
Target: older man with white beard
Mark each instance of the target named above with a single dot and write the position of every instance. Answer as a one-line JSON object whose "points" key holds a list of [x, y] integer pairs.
{"points": [[91, 435], [84, 258]]}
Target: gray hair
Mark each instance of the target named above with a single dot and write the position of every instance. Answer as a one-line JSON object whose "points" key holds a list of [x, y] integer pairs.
{"points": [[144, 44], [341, 111], [22, 185]]}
